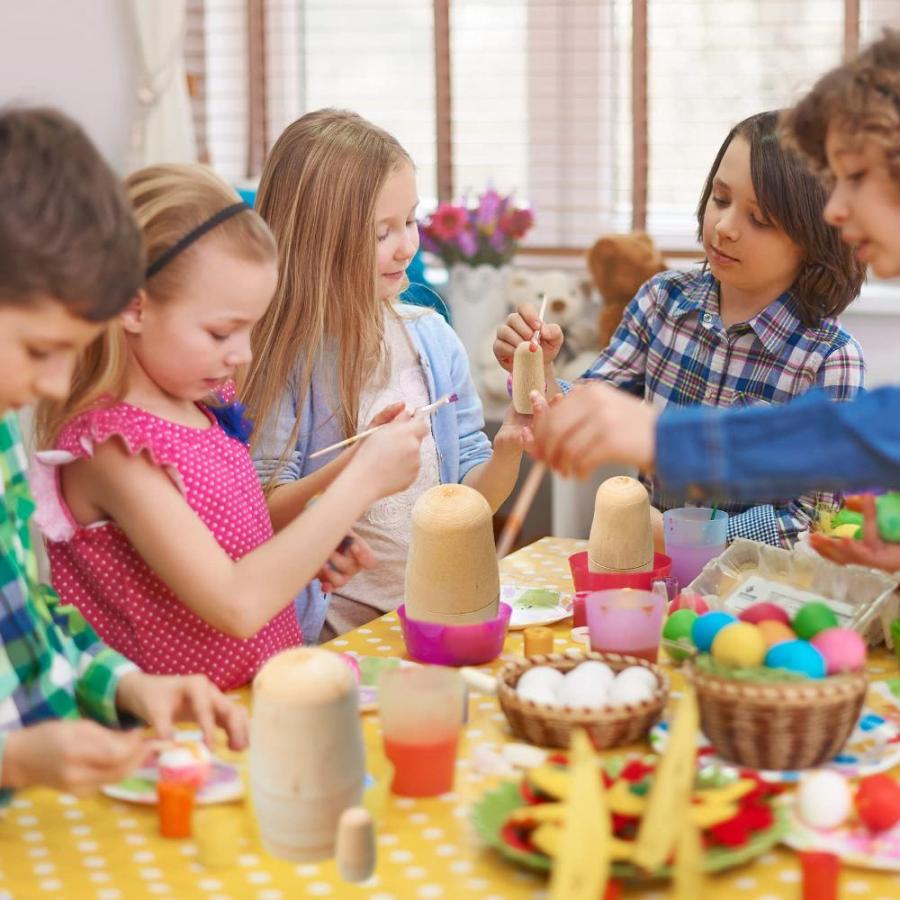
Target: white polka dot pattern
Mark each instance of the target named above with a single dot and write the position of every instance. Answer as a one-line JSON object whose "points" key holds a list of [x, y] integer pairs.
{"points": [[99, 571]]}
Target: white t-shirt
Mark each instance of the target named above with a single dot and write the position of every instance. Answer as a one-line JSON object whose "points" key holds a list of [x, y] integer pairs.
{"points": [[385, 526]]}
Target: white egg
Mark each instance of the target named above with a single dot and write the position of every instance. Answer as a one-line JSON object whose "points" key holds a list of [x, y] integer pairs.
{"points": [[586, 685], [539, 685], [639, 674], [823, 799], [629, 690]]}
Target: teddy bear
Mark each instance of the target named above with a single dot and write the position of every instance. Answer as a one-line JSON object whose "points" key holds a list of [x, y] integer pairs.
{"points": [[619, 264]]}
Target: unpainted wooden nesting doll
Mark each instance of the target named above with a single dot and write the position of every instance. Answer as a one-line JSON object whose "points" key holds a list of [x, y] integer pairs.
{"points": [[527, 375], [307, 761], [451, 572], [621, 534]]}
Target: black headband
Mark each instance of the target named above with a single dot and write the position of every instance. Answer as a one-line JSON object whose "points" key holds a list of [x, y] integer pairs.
{"points": [[165, 258]]}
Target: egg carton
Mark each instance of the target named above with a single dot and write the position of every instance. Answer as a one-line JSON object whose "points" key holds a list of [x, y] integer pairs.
{"points": [[749, 572]]}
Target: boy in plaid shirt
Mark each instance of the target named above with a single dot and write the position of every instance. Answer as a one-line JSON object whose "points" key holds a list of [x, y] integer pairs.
{"points": [[754, 326], [70, 258]]}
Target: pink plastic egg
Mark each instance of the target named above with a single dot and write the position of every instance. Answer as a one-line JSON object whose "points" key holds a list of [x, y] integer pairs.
{"points": [[844, 650], [688, 600], [764, 612]]}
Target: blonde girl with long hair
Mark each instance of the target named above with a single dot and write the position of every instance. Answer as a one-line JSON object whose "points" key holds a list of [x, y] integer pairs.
{"points": [[337, 347], [158, 530]]}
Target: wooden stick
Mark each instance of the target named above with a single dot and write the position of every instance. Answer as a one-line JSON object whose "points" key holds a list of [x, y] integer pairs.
{"points": [[536, 337], [427, 410], [520, 509]]}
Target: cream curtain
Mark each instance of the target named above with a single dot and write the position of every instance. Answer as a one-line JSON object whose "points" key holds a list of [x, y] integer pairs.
{"points": [[162, 130]]}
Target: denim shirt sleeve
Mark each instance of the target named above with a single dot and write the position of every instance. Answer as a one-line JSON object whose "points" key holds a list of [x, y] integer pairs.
{"points": [[763, 452], [474, 446], [268, 454]]}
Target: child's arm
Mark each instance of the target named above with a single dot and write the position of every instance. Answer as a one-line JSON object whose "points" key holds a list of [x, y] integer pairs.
{"points": [[239, 597], [496, 478]]}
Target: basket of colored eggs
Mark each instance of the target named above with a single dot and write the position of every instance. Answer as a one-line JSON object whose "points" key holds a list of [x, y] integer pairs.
{"points": [[773, 692], [616, 699]]}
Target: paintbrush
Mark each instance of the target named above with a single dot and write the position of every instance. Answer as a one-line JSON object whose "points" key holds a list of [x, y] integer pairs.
{"points": [[536, 337], [427, 410], [520, 509]]}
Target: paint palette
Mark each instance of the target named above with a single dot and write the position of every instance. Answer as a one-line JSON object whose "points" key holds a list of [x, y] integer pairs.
{"points": [[534, 606]]}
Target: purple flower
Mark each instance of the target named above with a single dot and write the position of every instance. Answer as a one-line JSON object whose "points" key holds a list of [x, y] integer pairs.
{"points": [[497, 240], [468, 243], [489, 208]]}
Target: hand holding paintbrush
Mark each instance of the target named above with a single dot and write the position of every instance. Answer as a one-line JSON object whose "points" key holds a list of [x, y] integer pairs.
{"points": [[423, 410]]}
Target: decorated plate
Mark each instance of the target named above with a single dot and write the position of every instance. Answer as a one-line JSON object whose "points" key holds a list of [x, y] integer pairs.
{"points": [[489, 817], [534, 606], [874, 746], [223, 786], [853, 843]]}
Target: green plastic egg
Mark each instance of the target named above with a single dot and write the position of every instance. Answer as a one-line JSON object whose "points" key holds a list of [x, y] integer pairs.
{"points": [[678, 629], [741, 644], [812, 618]]}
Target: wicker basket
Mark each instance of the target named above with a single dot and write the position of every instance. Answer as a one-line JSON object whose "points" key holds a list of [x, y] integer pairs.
{"points": [[551, 726], [778, 725]]}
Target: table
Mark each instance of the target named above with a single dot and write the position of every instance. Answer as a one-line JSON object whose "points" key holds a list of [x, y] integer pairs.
{"points": [[54, 845]]}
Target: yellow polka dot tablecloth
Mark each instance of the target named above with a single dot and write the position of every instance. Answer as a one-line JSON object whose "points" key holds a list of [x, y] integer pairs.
{"points": [[54, 845]]}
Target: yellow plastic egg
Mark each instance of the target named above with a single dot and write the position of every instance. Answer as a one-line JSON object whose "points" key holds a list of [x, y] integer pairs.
{"points": [[845, 531], [739, 644]]}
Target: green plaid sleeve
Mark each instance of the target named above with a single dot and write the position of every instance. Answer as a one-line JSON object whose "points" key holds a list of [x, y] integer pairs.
{"points": [[98, 667]]}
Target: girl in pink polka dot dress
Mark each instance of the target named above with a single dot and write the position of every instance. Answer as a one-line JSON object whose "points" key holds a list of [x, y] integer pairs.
{"points": [[156, 525]]}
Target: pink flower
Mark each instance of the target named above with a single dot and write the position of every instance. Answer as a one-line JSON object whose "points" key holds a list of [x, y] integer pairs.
{"points": [[447, 221], [516, 222]]}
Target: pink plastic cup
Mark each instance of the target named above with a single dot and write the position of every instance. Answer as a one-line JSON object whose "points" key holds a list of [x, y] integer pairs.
{"points": [[626, 621]]}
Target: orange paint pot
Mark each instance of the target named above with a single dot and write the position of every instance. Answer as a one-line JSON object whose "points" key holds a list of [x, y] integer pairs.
{"points": [[176, 808]]}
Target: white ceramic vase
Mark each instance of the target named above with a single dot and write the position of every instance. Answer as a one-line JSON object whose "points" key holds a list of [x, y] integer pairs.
{"points": [[477, 296]]}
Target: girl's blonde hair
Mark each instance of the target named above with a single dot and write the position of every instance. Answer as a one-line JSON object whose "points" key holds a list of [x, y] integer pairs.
{"points": [[318, 193], [860, 99], [168, 202]]}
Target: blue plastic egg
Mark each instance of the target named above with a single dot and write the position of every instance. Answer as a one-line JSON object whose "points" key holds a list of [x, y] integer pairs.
{"points": [[707, 626], [796, 656]]}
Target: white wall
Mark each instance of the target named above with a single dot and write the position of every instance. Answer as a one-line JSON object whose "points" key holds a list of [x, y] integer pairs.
{"points": [[76, 55]]}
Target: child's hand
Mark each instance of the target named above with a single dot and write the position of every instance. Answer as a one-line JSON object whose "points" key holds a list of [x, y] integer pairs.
{"points": [[391, 456], [352, 555], [514, 434], [871, 551], [74, 755], [520, 326], [163, 700], [592, 425], [388, 414]]}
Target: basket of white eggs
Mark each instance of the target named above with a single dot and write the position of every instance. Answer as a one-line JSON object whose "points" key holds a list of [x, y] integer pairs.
{"points": [[616, 699]]}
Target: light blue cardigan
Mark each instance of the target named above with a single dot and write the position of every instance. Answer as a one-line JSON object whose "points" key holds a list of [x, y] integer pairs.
{"points": [[457, 428]]}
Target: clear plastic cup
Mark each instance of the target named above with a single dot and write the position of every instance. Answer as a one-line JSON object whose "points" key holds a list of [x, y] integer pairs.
{"points": [[694, 536], [626, 621], [421, 711]]}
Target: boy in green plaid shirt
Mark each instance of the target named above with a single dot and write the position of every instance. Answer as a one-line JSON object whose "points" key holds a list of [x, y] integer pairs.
{"points": [[70, 259]]}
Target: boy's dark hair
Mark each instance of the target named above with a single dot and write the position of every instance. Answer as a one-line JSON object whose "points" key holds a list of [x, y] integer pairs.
{"points": [[66, 229], [791, 196], [861, 99]]}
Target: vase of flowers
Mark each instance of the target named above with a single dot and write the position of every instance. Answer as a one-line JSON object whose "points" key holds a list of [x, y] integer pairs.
{"points": [[476, 243]]}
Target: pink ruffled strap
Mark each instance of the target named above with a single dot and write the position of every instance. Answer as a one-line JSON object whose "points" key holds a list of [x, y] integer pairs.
{"points": [[52, 516]]}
